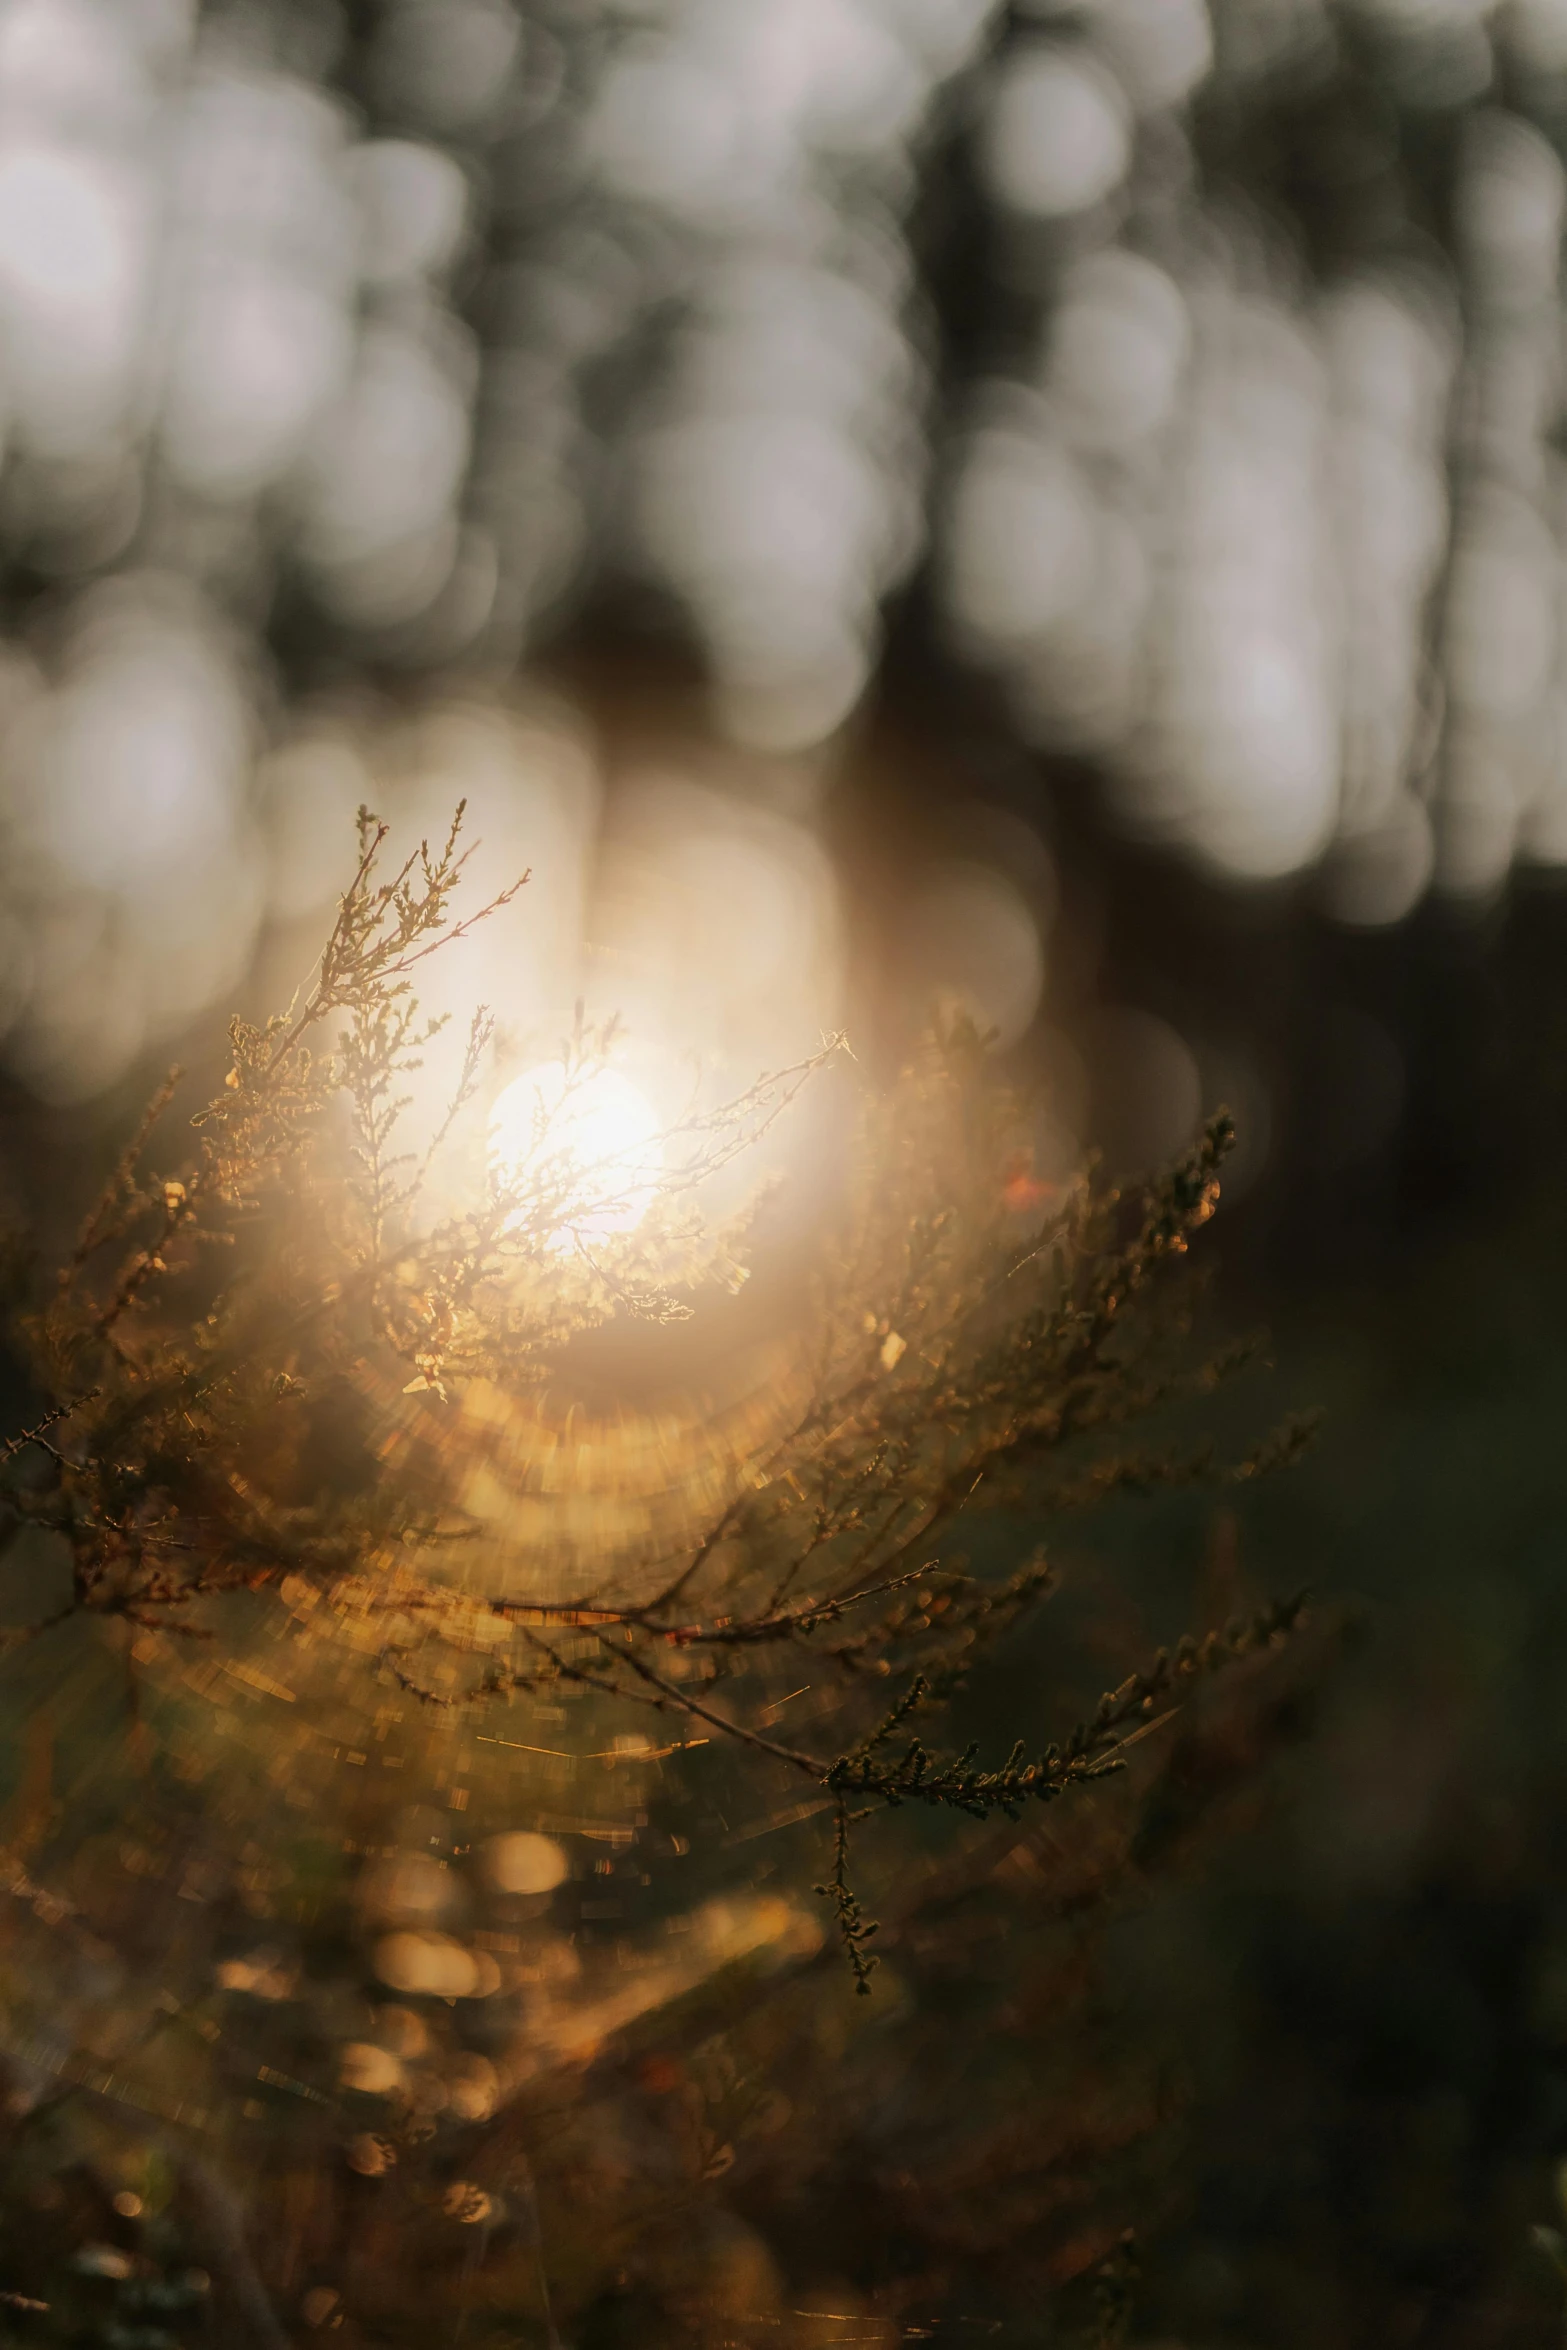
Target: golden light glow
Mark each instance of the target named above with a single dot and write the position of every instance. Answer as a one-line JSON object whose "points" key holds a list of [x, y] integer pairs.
{"points": [[591, 1130]]}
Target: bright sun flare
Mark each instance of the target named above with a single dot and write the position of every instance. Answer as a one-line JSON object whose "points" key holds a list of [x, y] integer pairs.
{"points": [[601, 1129]]}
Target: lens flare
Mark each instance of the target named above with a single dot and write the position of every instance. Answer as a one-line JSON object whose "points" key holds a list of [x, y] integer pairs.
{"points": [[590, 1133]]}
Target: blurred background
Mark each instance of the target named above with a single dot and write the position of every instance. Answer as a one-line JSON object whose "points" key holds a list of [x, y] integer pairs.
{"points": [[875, 501], [1056, 509]]}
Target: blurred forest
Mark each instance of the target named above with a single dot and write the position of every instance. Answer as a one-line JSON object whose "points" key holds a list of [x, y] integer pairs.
{"points": [[1049, 511]]}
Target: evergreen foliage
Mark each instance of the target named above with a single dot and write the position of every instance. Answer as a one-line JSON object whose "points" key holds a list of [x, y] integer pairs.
{"points": [[959, 1343], [280, 1374]]}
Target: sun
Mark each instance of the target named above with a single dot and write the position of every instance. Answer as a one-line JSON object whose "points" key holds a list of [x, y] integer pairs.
{"points": [[591, 1130]]}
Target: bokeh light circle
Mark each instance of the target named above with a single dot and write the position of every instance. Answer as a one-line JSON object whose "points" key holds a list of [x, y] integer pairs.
{"points": [[591, 1133]]}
